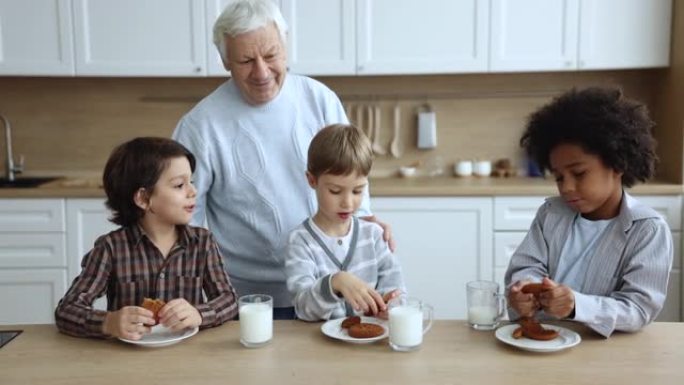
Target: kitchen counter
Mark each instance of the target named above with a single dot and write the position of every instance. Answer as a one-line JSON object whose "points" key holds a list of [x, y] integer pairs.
{"points": [[401, 187], [452, 353]]}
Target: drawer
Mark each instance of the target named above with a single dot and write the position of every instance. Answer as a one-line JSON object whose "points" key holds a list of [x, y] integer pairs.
{"points": [[515, 213], [505, 244], [28, 215], [30, 296], [32, 250]]}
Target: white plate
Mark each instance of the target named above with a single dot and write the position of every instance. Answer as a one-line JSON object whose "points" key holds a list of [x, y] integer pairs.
{"points": [[161, 336], [333, 329], [566, 339]]}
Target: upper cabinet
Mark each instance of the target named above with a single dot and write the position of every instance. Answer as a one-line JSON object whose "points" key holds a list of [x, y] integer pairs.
{"points": [[534, 35], [421, 37], [624, 33], [373, 37], [36, 37], [553, 35], [337, 37], [322, 36], [140, 38]]}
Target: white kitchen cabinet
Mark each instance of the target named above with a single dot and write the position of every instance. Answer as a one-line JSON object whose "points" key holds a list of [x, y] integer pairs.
{"points": [[140, 38], [322, 36], [514, 215], [36, 38], [442, 243], [86, 220], [30, 296], [421, 37], [624, 34], [534, 35], [32, 259], [214, 63], [548, 35]]}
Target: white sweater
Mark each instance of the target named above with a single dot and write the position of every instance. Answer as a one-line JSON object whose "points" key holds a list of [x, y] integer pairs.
{"points": [[250, 174], [310, 265]]}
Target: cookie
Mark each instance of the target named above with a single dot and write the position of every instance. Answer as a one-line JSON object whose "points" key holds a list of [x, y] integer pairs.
{"points": [[366, 330], [349, 321]]}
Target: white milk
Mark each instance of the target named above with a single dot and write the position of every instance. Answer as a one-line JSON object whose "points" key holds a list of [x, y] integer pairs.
{"points": [[482, 315], [406, 326], [256, 323]]}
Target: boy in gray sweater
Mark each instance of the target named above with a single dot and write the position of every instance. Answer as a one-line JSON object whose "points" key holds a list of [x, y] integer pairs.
{"points": [[336, 264]]}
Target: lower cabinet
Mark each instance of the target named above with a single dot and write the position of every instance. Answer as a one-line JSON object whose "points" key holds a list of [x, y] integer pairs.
{"points": [[30, 296], [442, 243]]}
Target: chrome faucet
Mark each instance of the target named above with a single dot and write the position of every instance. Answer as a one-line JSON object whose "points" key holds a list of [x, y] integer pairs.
{"points": [[10, 168]]}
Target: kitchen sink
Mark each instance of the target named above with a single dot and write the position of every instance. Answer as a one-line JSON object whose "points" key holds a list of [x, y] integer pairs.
{"points": [[27, 182]]}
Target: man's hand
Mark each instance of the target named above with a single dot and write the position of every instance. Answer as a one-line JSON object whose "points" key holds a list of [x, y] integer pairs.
{"points": [[129, 322], [387, 231]]}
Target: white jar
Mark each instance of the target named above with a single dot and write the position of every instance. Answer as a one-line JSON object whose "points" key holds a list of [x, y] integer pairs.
{"points": [[482, 168], [463, 168]]}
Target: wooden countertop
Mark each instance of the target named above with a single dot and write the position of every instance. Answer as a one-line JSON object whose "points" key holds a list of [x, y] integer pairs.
{"points": [[380, 187], [452, 353]]}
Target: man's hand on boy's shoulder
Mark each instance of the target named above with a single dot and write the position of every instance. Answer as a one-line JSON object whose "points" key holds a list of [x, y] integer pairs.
{"points": [[179, 314], [129, 322], [386, 231]]}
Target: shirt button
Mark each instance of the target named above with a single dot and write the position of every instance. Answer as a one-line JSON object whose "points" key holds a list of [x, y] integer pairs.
{"points": [[161, 275]]}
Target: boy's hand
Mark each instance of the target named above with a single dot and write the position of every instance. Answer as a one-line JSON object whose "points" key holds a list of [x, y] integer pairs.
{"points": [[129, 322], [355, 291], [556, 300], [390, 295], [524, 304], [179, 314], [386, 231]]}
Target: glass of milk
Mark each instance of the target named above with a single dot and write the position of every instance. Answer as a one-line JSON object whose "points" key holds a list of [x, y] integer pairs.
{"points": [[485, 305], [409, 319], [256, 320]]}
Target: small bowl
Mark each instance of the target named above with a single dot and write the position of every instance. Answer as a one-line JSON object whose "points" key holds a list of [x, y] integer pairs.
{"points": [[407, 172]]}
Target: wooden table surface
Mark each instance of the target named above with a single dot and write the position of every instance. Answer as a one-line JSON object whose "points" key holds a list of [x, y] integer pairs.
{"points": [[452, 353]]}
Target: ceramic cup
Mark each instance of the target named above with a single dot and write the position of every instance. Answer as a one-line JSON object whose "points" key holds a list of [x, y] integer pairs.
{"points": [[409, 319], [256, 320], [463, 168], [482, 168], [486, 306]]}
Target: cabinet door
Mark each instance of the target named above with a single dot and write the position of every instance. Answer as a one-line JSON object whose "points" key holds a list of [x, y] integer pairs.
{"points": [[214, 63], [32, 250], [36, 37], [86, 221], [442, 243], [624, 33], [534, 35], [140, 38], [31, 215], [322, 36], [30, 296], [421, 37]]}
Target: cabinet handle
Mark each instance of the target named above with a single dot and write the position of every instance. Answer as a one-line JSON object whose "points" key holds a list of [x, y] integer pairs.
{"points": [[359, 68], [198, 69], [568, 63]]}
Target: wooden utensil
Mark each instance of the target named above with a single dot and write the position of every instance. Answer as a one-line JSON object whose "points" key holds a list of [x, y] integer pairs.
{"points": [[395, 149]]}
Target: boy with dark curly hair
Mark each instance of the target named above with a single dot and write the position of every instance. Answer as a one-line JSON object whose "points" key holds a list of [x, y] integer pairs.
{"points": [[602, 257], [154, 254]]}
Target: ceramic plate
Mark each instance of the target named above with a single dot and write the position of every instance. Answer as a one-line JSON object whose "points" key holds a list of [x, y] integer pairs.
{"points": [[161, 336], [566, 339], [333, 329]]}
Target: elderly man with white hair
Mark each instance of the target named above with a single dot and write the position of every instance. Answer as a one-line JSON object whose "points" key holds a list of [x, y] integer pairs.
{"points": [[250, 137]]}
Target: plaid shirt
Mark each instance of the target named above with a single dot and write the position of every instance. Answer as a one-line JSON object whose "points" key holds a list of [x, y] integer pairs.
{"points": [[126, 266]]}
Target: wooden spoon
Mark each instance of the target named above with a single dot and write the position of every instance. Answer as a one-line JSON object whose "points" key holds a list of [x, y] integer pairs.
{"points": [[395, 149], [377, 147]]}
